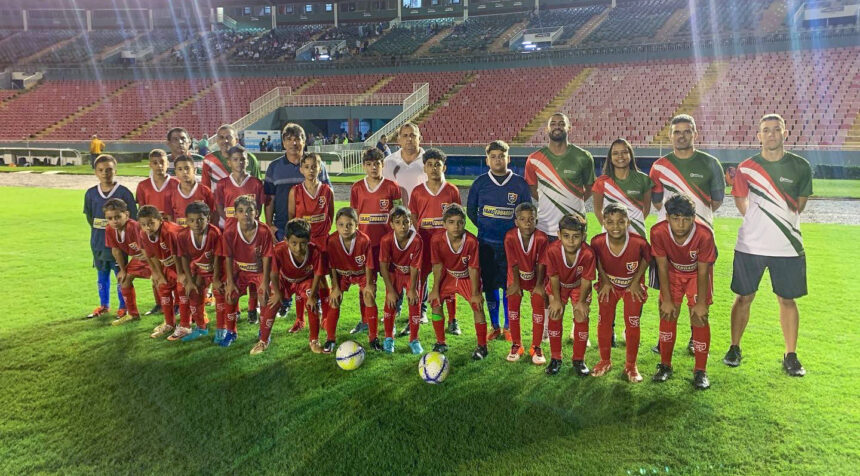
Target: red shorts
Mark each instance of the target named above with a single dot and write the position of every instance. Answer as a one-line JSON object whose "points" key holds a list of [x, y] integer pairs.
{"points": [[451, 287], [568, 293], [344, 282], [528, 285], [401, 283], [244, 280], [681, 285], [301, 290], [138, 269]]}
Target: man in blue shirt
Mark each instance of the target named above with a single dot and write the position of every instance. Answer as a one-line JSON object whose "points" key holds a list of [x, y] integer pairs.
{"points": [[491, 203]]}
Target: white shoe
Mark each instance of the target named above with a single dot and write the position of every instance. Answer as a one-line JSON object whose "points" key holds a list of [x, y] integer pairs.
{"points": [[179, 333], [161, 331]]}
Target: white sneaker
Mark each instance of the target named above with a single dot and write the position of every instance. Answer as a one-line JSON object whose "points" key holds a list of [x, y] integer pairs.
{"points": [[179, 333], [161, 331]]}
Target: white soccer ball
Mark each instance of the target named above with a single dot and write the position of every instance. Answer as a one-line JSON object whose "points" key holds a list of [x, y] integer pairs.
{"points": [[433, 367], [350, 355]]}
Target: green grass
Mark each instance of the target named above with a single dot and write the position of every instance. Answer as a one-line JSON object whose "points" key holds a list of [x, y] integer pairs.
{"points": [[80, 396]]}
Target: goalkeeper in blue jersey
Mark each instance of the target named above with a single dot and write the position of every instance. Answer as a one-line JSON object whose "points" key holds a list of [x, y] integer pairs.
{"points": [[491, 203]]}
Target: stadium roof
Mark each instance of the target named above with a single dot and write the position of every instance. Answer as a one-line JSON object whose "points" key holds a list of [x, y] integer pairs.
{"points": [[134, 4]]}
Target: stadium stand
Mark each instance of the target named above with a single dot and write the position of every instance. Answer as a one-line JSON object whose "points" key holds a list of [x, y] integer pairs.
{"points": [[572, 19], [440, 83], [407, 37], [28, 43], [633, 22], [281, 42], [727, 16], [475, 34], [84, 47], [344, 84], [161, 41], [211, 45]]}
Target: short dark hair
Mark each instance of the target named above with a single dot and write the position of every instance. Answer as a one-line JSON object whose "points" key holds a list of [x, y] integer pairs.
{"points": [[525, 207], [310, 156], [244, 200], [684, 118], [175, 130], [497, 145], [346, 212], [299, 228], [291, 129], [116, 205], [148, 211], [681, 205], [183, 158], [454, 209], [400, 211], [104, 158], [573, 223], [237, 149], [157, 153], [615, 208], [198, 207], [608, 167], [372, 155], [434, 153]]}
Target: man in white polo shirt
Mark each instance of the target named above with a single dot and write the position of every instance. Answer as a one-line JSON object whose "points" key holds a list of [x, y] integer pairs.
{"points": [[406, 166]]}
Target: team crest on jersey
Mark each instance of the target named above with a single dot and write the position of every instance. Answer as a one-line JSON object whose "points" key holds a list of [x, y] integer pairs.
{"points": [[579, 269], [512, 198], [465, 260], [694, 254], [321, 200], [163, 245], [445, 207], [360, 260], [384, 204], [632, 266], [207, 255]]}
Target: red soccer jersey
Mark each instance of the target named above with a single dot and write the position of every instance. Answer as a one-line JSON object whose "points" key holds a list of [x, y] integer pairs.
{"points": [[683, 257], [455, 264], [202, 255], [620, 269], [148, 194], [352, 261], [373, 207], [428, 210], [247, 255], [161, 248], [128, 241], [229, 190], [569, 273], [178, 200], [525, 256], [401, 260], [292, 272], [316, 209]]}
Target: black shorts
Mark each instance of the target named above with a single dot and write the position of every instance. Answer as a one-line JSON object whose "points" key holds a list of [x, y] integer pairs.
{"points": [[787, 274], [494, 266], [103, 260]]}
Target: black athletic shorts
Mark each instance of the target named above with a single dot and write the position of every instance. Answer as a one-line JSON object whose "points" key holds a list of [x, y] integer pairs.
{"points": [[787, 274], [494, 266]]}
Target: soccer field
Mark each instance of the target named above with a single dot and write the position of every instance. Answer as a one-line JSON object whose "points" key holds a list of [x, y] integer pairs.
{"points": [[80, 396]]}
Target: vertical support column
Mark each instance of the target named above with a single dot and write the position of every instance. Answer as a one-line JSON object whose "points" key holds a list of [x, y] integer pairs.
{"points": [[335, 7], [399, 10], [537, 6], [24, 18], [151, 21], [89, 20], [274, 16], [465, 10]]}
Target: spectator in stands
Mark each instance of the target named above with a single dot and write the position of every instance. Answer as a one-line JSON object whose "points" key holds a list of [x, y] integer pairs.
{"points": [[203, 146], [406, 166], [383, 146], [179, 143], [96, 149]]}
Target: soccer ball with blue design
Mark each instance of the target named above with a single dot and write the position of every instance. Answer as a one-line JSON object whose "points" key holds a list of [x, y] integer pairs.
{"points": [[433, 367], [350, 355]]}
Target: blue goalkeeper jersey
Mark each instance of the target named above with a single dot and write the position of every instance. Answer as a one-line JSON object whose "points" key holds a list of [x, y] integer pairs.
{"points": [[491, 203], [94, 200]]}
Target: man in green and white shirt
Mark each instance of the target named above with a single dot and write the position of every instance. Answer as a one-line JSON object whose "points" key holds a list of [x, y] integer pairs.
{"points": [[770, 191]]}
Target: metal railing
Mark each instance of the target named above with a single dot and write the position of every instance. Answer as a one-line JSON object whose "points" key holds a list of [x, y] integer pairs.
{"points": [[11, 155]]}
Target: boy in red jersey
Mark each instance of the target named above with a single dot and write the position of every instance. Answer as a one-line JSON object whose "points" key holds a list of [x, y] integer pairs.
{"points": [[400, 266], [155, 192], [186, 190], [570, 266], [293, 274], [373, 199], [239, 184], [525, 247], [689, 247], [246, 246], [198, 267], [349, 260], [428, 203], [123, 238], [456, 272], [622, 258], [157, 238]]}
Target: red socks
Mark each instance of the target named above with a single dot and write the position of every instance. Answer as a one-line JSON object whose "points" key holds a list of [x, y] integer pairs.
{"points": [[130, 298], [481, 331], [632, 333], [514, 318], [701, 344], [452, 308], [555, 326], [668, 333], [580, 330]]}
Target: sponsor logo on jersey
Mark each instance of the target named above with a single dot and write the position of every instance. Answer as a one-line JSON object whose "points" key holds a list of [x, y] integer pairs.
{"points": [[619, 281], [695, 175], [512, 198], [498, 212], [527, 275], [684, 267], [432, 223], [182, 222], [360, 259], [169, 261], [100, 223], [247, 267], [459, 274], [205, 267], [569, 172], [786, 180], [373, 219], [402, 269], [384, 204], [350, 272], [314, 218], [632, 266], [632, 192], [572, 285], [230, 212]]}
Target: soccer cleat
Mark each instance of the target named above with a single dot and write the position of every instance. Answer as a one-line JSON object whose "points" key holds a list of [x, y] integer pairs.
{"points": [[480, 353], [553, 367], [99, 311], [228, 339], [195, 334], [376, 345], [633, 375], [209, 301], [454, 328], [601, 368], [404, 332], [253, 316], [359, 328], [580, 369], [126, 318], [328, 348], [259, 347], [507, 334], [733, 356], [439, 347], [664, 372], [700, 380], [516, 352], [219, 336], [424, 319], [537, 356], [161, 330], [792, 366], [121, 312], [388, 345], [179, 333], [415, 347], [155, 310], [315, 346], [690, 349], [495, 334], [282, 311], [297, 326]]}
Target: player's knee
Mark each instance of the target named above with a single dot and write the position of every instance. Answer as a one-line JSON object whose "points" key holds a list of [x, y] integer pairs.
{"points": [[745, 300], [786, 302]]}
